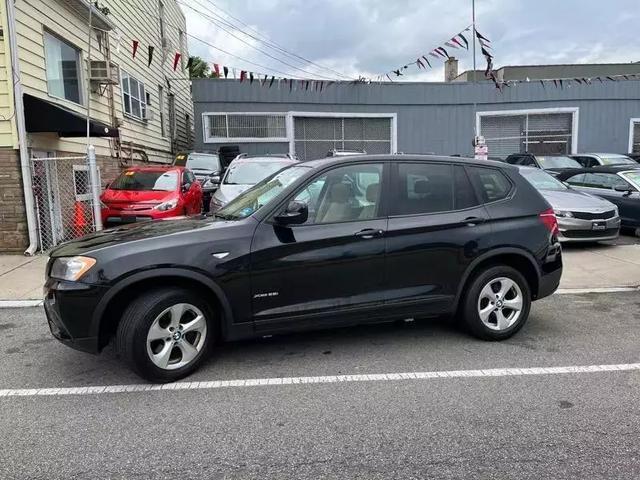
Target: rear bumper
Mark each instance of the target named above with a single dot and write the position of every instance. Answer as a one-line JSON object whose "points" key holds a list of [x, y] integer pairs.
{"points": [[69, 308], [550, 273]]}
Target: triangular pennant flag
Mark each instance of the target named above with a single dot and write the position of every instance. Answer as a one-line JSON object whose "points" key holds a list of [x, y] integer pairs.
{"points": [[578, 80], [272, 80], [216, 69], [264, 80], [542, 83], [485, 53], [226, 71], [151, 49], [437, 50], [176, 59], [444, 51], [250, 78], [321, 85], [189, 64], [242, 75], [449, 44], [560, 80], [464, 39], [626, 77], [612, 79], [427, 60], [457, 42], [290, 84], [306, 86], [555, 82], [433, 55], [389, 77], [480, 37], [420, 64], [601, 81], [397, 72], [136, 44]]}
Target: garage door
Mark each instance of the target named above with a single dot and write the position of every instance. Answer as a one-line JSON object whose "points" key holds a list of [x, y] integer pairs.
{"points": [[315, 136], [548, 133]]}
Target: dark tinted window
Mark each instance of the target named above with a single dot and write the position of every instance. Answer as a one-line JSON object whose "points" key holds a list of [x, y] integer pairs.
{"points": [[492, 184], [596, 180], [465, 197], [513, 159], [423, 188]]}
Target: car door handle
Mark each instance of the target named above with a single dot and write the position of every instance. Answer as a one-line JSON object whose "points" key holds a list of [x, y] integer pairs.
{"points": [[369, 233], [473, 221]]}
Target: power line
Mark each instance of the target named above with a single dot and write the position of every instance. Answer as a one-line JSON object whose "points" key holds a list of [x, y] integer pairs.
{"points": [[260, 37], [253, 46]]}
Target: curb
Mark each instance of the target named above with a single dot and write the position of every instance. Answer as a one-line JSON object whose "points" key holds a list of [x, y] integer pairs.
{"points": [[20, 303]]}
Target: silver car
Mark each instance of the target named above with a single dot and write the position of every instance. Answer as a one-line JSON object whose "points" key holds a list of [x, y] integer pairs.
{"points": [[581, 217], [243, 173]]}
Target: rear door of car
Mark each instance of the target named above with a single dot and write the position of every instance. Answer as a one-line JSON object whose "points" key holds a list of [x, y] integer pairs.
{"points": [[437, 226]]}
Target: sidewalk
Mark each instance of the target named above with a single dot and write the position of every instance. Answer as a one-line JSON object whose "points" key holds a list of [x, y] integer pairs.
{"points": [[599, 266]]}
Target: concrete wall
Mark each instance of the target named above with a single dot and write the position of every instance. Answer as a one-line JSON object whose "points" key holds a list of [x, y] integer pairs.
{"points": [[433, 117]]}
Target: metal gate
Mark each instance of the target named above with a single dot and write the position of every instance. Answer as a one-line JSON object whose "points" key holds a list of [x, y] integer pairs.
{"points": [[548, 133], [62, 198], [315, 136], [635, 142]]}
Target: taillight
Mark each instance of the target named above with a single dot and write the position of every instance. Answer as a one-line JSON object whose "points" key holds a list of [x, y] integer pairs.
{"points": [[548, 218]]}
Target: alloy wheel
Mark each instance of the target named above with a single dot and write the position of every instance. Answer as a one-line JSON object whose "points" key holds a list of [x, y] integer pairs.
{"points": [[176, 336], [500, 303]]}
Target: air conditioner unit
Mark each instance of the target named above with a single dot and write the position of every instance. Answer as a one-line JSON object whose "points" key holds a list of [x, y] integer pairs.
{"points": [[104, 73], [147, 115]]}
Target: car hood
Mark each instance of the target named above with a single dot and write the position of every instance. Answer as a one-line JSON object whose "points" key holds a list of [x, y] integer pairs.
{"points": [[576, 201], [226, 192], [136, 232], [133, 196]]}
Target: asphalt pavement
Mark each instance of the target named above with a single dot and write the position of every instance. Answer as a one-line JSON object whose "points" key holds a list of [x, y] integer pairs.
{"points": [[519, 424]]}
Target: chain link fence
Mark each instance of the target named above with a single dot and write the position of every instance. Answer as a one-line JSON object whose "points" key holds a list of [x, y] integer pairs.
{"points": [[62, 196]]}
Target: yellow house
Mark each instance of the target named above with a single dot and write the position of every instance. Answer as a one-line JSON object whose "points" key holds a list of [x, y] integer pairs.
{"points": [[139, 108]]}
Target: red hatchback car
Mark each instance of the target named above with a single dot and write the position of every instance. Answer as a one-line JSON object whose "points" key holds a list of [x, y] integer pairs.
{"points": [[150, 193]]}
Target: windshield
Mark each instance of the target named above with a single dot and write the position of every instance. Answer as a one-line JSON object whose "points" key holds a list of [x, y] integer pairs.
{"points": [[542, 180], [557, 162], [615, 159], [250, 173], [203, 162], [634, 177], [159, 180], [259, 195]]}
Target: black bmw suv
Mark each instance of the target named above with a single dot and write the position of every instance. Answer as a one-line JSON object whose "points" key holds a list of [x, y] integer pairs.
{"points": [[337, 241]]}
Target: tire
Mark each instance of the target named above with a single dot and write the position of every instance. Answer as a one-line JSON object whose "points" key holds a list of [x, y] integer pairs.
{"points": [[179, 344], [503, 318]]}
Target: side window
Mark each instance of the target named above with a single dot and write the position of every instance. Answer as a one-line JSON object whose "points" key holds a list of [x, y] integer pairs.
{"points": [[465, 197], [423, 188], [492, 184], [602, 180], [188, 177], [344, 194], [585, 161], [526, 161], [577, 180]]}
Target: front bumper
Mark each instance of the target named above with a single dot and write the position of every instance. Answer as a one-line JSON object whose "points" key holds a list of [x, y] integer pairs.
{"points": [[579, 230], [69, 308], [114, 218]]}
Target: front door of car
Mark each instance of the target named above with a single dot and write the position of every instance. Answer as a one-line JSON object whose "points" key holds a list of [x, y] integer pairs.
{"points": [[190, 189], [437, 227], [333, 262]]}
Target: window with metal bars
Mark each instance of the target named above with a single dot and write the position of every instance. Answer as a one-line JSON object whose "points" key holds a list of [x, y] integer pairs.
{"points": [[538, 133], [242, 127]]}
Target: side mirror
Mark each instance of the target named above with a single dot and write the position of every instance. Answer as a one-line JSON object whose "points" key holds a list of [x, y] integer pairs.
{"points": [[295, 214], [186, 187], [623, 188]]}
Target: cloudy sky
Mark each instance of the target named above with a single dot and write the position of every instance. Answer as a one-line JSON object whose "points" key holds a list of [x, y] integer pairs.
{"points": [[372, 37]]}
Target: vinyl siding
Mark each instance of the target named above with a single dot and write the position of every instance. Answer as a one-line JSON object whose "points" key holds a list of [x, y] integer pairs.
{"points": [[133, 19], [8, 133]]}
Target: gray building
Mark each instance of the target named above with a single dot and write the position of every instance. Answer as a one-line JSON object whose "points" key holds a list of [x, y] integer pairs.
{"points": [[417, 117], [573, 70]]}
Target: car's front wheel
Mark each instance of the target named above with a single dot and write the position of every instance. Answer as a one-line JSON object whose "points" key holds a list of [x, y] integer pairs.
{"points": [[497, 303], [165, 334]]}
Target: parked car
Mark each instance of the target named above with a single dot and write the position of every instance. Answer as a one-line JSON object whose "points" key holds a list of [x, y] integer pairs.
{"points": [[243, 173], [324, 243], [149, 193], [551, 163], [342, 152], [581, 216], [207, 169], [588, 160], [618, 184]]}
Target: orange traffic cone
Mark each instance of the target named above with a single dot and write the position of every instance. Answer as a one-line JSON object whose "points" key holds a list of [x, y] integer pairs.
{"points": [[79, 219]]}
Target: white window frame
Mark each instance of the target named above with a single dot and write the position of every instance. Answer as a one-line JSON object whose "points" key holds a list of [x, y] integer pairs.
{"points": [[142, 97], [575, 111], [81, 88], [632, 122], [289, 118], [83, 197]]}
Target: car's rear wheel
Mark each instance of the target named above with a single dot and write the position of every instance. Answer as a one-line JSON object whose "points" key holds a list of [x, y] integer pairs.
{"points": [[497, 303], [165, 334]]}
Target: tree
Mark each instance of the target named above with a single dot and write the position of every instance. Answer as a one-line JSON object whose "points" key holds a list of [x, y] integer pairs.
{"points": [[198, 68]]}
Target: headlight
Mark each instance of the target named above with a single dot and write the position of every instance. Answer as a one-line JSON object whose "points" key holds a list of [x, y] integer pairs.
{"points": [[563, 213], [615, 209], [71, 268], [168, 205]]}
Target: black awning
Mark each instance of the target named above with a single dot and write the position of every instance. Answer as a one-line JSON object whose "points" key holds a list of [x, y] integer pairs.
{"points": [[43, 116]]}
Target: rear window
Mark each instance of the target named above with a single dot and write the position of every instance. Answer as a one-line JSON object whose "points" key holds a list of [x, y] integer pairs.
{"points": [[250, 173], [145, 180], [492, 184], [557, 162], [615, 160], [203, 162]]}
